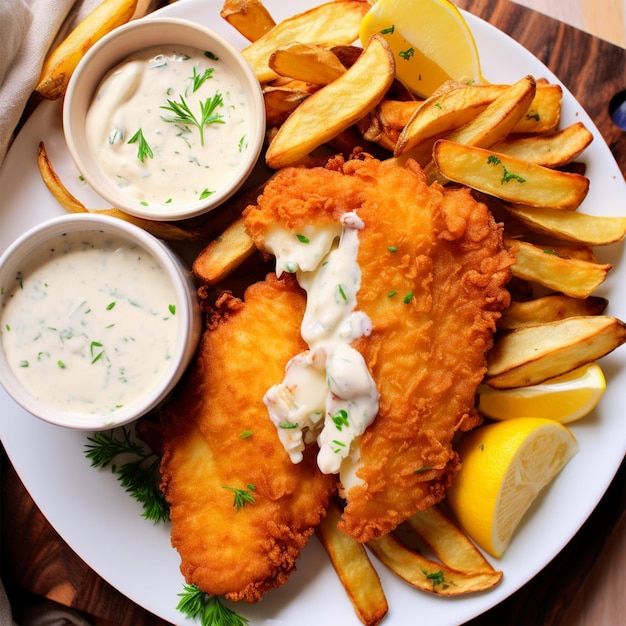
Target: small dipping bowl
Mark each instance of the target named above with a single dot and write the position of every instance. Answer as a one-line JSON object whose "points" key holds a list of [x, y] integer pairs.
{"points": [[98, 318], [127, 138]]}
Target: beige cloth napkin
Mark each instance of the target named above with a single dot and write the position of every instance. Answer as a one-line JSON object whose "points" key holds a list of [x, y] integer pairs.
{"points": [[27, 29]]}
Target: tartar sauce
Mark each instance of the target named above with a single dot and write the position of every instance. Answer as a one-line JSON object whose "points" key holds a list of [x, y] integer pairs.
{"points": [[89, 323], [169, 125], [328, 393]]}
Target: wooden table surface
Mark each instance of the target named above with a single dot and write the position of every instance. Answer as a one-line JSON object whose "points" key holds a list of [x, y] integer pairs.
{"points": [[584, 584]]}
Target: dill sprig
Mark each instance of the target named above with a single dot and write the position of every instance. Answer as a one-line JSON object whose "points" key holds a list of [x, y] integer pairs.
{"points": [[144, 151], [199, 79], [242, 497], [140, 475], [195, 604], [182, 114]]}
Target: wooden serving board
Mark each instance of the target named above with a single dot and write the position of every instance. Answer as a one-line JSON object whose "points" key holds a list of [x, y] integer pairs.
{"points": [[35, 560]]}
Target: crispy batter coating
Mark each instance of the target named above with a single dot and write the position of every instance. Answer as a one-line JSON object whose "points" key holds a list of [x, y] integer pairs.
{"points": [[434, 271], [217, 436]]}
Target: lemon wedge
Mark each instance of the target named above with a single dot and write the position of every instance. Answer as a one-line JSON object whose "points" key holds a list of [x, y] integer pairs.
{"points": [[565, 398], [431, 41], [504, 467]]}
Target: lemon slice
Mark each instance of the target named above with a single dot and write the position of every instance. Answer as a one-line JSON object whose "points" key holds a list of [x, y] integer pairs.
{"points": [[565, 398], [431, 41], [504, 467]]}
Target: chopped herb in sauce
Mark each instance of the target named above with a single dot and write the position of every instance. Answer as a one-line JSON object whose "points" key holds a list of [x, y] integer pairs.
{"points": [[144, 151]]}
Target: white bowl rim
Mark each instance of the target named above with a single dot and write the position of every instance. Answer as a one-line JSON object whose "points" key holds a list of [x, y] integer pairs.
{"points": [[75, 138], [187, 313]]}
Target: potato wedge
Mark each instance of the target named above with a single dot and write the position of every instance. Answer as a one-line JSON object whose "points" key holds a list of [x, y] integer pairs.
{"points": [[223, 254], [469, 115], [282, 100], [62, 61], [307, 62], [161, 230], [331, 23], [354, 568], [440, 114], [550, 150], [319, 118], [448, 541], [571, 276], [249, 17], [549, 308], [544, 113], [428, 575], [498, 119], [508, 178], [571, 226], [533, 354]]}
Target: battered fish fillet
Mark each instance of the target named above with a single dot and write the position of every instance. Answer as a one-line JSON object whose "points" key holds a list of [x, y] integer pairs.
{"points": [[434, 271], [218, 438]]}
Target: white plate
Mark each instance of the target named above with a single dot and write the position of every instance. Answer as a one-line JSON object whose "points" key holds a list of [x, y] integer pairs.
{"points": [[104, 525]]}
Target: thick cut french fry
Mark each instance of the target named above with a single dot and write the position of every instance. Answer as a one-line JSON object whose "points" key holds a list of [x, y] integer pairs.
{"points": [[331, 23], [448, 541], [456, 104], [223, 254], [571, 226], [354, 568], [549, 309], [494, 123], [508, 178], [549, 267], [442, 113], [320, 117], [533, 354], [282, 100], [550, 150], [498, 119], [426, 574], [544, 113], [62, 61], [249, 17], [161, 230], [307, 62]]}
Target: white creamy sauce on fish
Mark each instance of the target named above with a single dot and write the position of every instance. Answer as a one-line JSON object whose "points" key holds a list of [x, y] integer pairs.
{"points": [[328, 393], [90, 323], [142, 130]]}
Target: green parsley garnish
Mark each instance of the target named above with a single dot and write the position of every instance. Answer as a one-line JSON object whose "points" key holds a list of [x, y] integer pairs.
{"points": [[144, 150], [408, 297], [340, 418], [303, 239], [492, 159], [407, 54], [436, 578]]}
